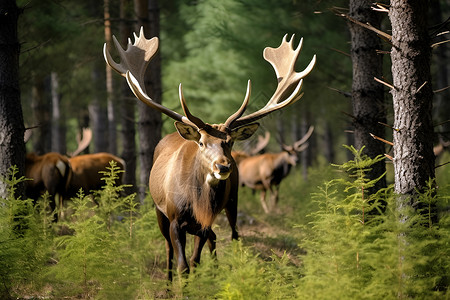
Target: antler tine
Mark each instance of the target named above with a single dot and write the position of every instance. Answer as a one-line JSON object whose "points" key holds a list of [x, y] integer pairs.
{"points": [[196, 121], [83, 141], [228, 123], [299, 143], [135, 58], [261, 144], [133, 64], [283, 61]]}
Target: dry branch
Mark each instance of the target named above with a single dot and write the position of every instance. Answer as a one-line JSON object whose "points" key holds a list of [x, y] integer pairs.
{"points": [[381, 139], [385, 83]]}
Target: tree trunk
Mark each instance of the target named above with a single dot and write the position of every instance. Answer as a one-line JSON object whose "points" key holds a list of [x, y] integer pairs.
{"points": [[367, 94], [328, 142], [58, 121], [412, 97], [41, 138], [12, 146], [441, 61], [128, 104], [150, 122], [306, 155], [112, 136], [98, 118]]}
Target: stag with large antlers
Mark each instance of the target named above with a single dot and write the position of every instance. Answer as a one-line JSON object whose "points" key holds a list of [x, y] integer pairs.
{"points": [[194, 176], [265, 172]]}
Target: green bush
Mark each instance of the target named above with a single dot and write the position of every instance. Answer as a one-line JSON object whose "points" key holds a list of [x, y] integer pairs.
{"points": [[397, 253]]}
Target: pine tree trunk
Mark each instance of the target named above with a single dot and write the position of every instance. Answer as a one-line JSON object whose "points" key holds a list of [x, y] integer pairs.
{"points": [[58, 121], [98, 118], [149, 119], [328, 143], [412, 96], [367, 94], [306, 155], [12, 146], [41, 138], [112, 135], [441, 61], [128, 104]]}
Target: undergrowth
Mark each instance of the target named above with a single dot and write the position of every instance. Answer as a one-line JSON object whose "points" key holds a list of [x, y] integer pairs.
{"points": [[349, 245]]}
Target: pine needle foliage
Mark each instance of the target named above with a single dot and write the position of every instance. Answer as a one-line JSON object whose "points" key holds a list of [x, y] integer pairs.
{"points": [[24, 240], [93, 262], [355, 255], [115, 249], [241, 274]]}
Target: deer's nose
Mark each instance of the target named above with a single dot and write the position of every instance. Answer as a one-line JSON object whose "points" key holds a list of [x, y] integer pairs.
{"points": [[223, 168]]}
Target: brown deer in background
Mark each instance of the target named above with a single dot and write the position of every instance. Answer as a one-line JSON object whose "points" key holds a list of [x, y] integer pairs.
{"points": [[86, 168], [262, 142], [265, 172], [194, 176], [63, 176], [51, 171], [86, 172], [48, 172]]}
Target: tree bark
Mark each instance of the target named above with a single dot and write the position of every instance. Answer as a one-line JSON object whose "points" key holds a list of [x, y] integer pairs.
{"points": [[441, 58], [367, 94], [98, 117], [150, 122], [58, 121], [412, 97], [41, 138], [112, 135], [128, 104], [12, 146]]}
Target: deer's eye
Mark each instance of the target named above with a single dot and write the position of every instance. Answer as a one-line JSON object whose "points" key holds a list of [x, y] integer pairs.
{"points": [[200, 144]]}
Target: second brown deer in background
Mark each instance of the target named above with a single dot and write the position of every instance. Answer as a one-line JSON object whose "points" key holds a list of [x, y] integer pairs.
{"points": [[265, 172]]}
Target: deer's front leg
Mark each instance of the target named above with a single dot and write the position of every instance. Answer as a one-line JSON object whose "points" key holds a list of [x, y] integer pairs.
{"points": [[178, 239]]}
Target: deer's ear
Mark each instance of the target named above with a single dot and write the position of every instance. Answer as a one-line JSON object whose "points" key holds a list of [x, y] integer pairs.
{"points": [[244, 132], [188, 132]]}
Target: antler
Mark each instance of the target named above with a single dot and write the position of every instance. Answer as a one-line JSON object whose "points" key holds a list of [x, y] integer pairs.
{"points": [[283, 60], [261, 144], [135, 59], [134, 62], [300, 142], [83, 141]]}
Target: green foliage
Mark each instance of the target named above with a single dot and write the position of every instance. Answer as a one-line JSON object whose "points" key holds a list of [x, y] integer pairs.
{"points": [[102, 258], [354, 255], [241, 274], [115, 250], [24, 240]]}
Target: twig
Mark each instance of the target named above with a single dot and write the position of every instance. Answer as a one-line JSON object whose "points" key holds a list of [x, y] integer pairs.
{"points": [[341, 52], [388, 126], [345, 94], [351, 116], [388, 156], [438, 166], [439, 43], [441, 90], [442, 123], [380, 7], [385, 83], [368, 26], [423, 84], [381, 139]]}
